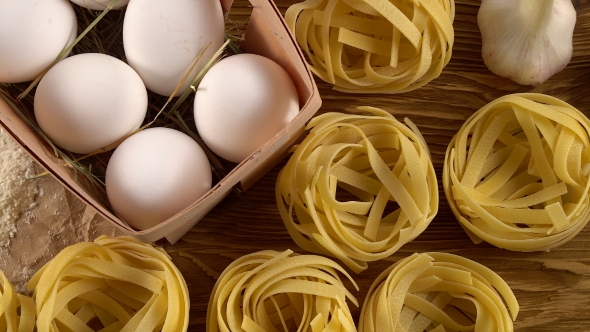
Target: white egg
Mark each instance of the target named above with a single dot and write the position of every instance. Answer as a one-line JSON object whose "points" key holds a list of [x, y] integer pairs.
{"points": [[155, 174], [241, 103], [32, 34], [162, 40], [99, 4], [89, 101]]}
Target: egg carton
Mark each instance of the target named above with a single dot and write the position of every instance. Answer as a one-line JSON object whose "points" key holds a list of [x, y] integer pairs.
{"points": [[267, 35]]}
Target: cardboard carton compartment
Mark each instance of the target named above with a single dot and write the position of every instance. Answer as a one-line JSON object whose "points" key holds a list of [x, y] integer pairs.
{"points": [[266, 35]]}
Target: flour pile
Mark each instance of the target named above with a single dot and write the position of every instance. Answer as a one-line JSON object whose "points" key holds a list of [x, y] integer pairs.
{"points": [[16, 194]]}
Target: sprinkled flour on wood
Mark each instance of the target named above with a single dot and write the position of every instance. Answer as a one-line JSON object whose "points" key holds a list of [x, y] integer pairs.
{"points": [[16, 194]]}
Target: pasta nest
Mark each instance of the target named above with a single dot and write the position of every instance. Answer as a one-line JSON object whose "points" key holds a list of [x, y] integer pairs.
{"points": [[360, 186], [438, 292], [11, 318], [274, 291], [374, 46], [111, 284], [516, 173]]}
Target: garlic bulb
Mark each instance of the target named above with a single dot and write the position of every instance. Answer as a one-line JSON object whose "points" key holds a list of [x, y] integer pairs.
{"points": [[526, 41]]}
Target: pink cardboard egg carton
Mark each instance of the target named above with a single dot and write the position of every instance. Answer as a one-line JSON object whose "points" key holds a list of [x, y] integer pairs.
{"points": [[266, 35]]}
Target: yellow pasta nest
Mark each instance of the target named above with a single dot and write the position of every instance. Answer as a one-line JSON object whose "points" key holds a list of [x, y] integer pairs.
{"points": [[11, 318], [438, 292], [111, 284], [359, 186], [273, 291], [375, 46], [516, 173]]}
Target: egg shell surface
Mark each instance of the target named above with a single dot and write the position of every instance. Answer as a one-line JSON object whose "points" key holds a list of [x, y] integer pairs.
{"points": [[100, 4], [241, 103], [89, 101], [163, 39], [155, 174], [32, 34]]}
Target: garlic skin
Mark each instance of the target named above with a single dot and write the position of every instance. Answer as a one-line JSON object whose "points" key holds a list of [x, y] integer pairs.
{"points": [[526, 41]]}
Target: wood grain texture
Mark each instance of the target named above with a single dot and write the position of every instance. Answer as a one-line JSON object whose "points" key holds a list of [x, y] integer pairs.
{"points": [[552, 288]]}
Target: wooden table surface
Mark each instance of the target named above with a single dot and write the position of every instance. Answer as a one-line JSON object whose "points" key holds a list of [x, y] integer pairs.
{"points": [[552, 288]]}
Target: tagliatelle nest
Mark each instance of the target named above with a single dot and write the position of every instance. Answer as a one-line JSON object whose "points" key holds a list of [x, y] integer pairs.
{"points": [[384, 171], [517, 173], [375, 46], [17, 312], [273, 291], [438, 292], [111, 284]]}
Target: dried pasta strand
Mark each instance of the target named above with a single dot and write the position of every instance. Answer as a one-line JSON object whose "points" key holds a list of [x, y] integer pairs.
{"points": [[427, 289], [374, 46], [514, 174], [379, 163], [124, 284], [10, 302], [312, 297]]}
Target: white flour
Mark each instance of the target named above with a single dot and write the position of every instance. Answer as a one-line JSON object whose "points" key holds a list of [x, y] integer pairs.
{"points": [[16, 194]]}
